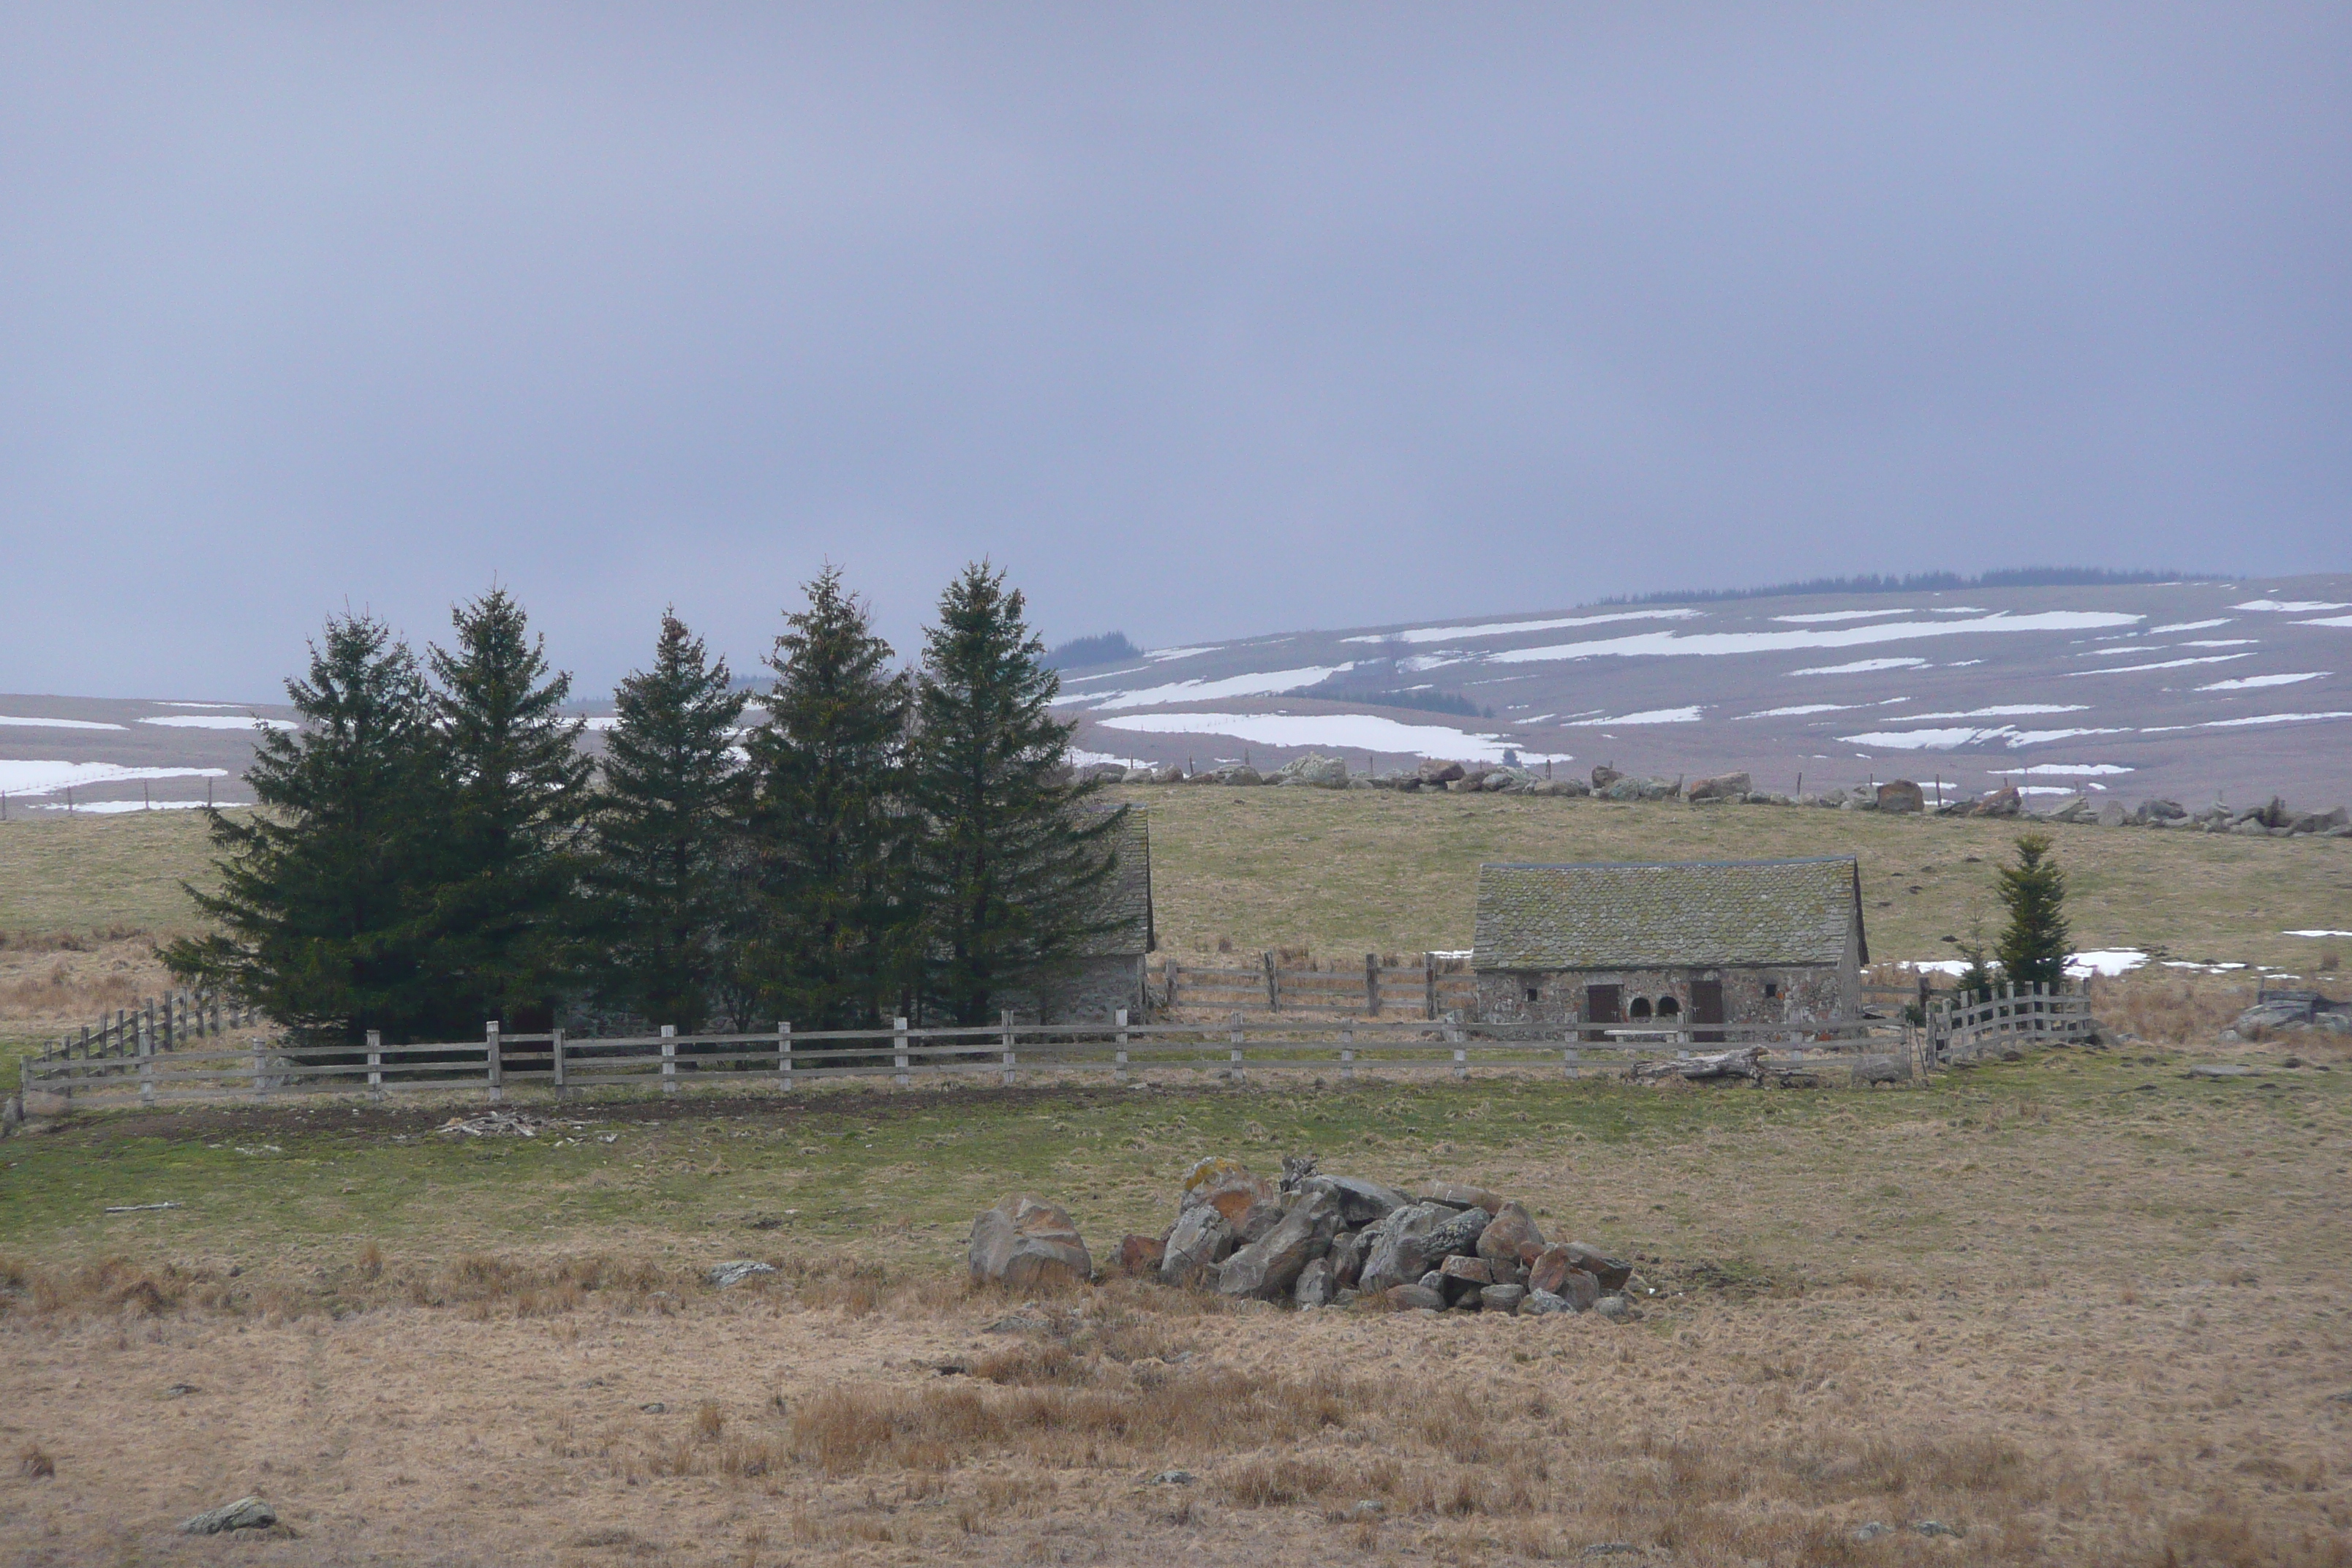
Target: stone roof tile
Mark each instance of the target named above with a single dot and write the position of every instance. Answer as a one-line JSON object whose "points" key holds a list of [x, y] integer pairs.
{"points": [[1689, 913]]}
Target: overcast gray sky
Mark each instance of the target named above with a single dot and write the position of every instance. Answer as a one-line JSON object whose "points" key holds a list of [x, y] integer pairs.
{"points": [[1202, 320]]}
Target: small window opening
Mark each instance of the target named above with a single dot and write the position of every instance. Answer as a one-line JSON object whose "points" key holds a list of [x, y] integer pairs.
{"points": [[1640, 1009], [1535, 993], [1772, 989], [1668, 1008]]}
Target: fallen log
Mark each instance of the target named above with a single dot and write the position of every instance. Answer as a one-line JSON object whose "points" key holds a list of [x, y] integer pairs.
{"points": [[1743, 1063]]}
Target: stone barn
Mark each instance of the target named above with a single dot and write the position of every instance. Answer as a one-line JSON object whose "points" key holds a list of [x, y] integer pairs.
{"points": [[1683, 945], [1108, 973]]}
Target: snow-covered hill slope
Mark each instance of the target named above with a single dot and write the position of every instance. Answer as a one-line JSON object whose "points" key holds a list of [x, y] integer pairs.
{"points": [[2183, 690]]}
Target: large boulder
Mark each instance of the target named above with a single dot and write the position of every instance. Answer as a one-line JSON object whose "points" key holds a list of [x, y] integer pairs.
{"points": [[1201, 1241], [2161, 811], [1416, 1296], [1613, 1272], [1399, 1253], [1250, 1204], [1433, 772], [1316, 771], [1142, 1255], [2002, 801], [1314, 1287], [2112, 813], [1511, 1235], [1025, 1242], [1462, 1195], [1361, 1202], [1268, 1268], [1456, 1235], [245, 1513], [1639, 789], [1244, 774], [1723, 787], [1902, 796], [1603, 776]]}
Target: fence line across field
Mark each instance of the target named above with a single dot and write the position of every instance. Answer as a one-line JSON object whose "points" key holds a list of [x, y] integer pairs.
{"points": [[785, 1058], [1958, 1030], [163, 1022]]}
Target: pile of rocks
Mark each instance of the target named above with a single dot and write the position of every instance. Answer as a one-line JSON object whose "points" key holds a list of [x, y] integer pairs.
{"points": [[1322, 1240]]}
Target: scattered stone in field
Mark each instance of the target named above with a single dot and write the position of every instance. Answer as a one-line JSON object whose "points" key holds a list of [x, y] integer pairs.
{"points": [[1025, 1241], [1409, 1296], [1367, 1508], [655, 1408], [1174, 1478], [1140, 1255], [181, 1390], [1022, 1322], [2220, 1069], [1938, 1527], [1612, 1307], [764, 1222], [736, 1270], [1610, 1548], [499, 1123], [245, 1513], [1542, 1304]]}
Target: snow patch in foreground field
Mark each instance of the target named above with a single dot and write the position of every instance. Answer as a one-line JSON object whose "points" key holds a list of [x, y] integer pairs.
{"points": [[220, 722], [2321, 933], [56, 723], [27, 777], [1332, 732], [117, 807]]}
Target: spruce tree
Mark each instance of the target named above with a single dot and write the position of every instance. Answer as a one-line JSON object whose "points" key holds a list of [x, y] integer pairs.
{"points": [[316, 914], [516, 786], [665, 827], [830, 833], [2033, 947], [1010, 867]]}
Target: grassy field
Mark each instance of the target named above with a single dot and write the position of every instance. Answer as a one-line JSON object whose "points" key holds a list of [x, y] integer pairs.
{"points": [[2081, 1307]]}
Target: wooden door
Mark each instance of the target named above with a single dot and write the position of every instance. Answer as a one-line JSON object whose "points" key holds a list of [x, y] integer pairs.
{"points": [[1602, 1004], [1706, 1007]]}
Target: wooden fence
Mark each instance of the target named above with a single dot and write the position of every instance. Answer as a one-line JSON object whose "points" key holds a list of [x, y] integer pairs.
{"points": [[164, 1025], [2007, 1019], [780, 1060], [1425, 990]]}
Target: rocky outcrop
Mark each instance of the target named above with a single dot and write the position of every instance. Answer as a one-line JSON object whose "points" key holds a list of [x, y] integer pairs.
{"points": [[1902, 796], [1723, 787], [1200, 1241]]}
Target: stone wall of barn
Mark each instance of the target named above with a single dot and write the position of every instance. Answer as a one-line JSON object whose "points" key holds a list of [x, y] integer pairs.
{"points": [[1803, 993]]}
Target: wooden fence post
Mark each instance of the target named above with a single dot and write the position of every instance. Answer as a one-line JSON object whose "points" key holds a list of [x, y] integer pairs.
{"points": [[1273, 985], [1347, 1050], [1008, 1069], [1454, 1039], [260, 1076], [669, 1059], [555, 1049], [1233, 1071], [784, 1053], [494, 1067], [145, 1031], [375, 1064], [1118, 1071], [1172, 981], [1429, 987], [164, 1041], [898, 1050], [1372, 985], [146, 1068]]}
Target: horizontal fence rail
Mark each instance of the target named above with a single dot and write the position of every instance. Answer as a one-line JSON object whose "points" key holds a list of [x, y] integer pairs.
{"points": [[785, 1058], [1427, 990], [166, 1025]]}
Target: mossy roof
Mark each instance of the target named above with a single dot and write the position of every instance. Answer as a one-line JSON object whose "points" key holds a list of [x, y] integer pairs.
{"points": [[1689, 913]]}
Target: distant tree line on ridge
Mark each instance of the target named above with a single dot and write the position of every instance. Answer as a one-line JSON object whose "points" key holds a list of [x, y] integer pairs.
{"points": [[435, 850], [1911, 583]]}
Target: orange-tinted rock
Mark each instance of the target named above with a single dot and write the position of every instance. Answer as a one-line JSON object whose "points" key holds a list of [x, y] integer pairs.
{"points": [[1141, 1254]]}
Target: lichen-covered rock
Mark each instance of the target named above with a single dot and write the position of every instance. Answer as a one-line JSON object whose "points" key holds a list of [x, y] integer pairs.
{"points": [[1361, 1202], [1314, 1288], [1503, 1298], [245, 1513], [1457, 1233], [1512, 1234], [1473, 1269], [1409, 1297], [1542, 1304], [1347, 1256], [1141, 1255], [1266, 1268], [1400, 1247], [1201, 1240], [1462, 1195], [1251, 1204], [1024, 1242]]}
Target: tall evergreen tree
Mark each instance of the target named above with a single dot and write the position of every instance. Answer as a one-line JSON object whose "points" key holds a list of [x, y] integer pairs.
{"points": [[2032, 947], [315, 915], [516, 785], [830, 833], [1010, 869], [665, 830]]}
